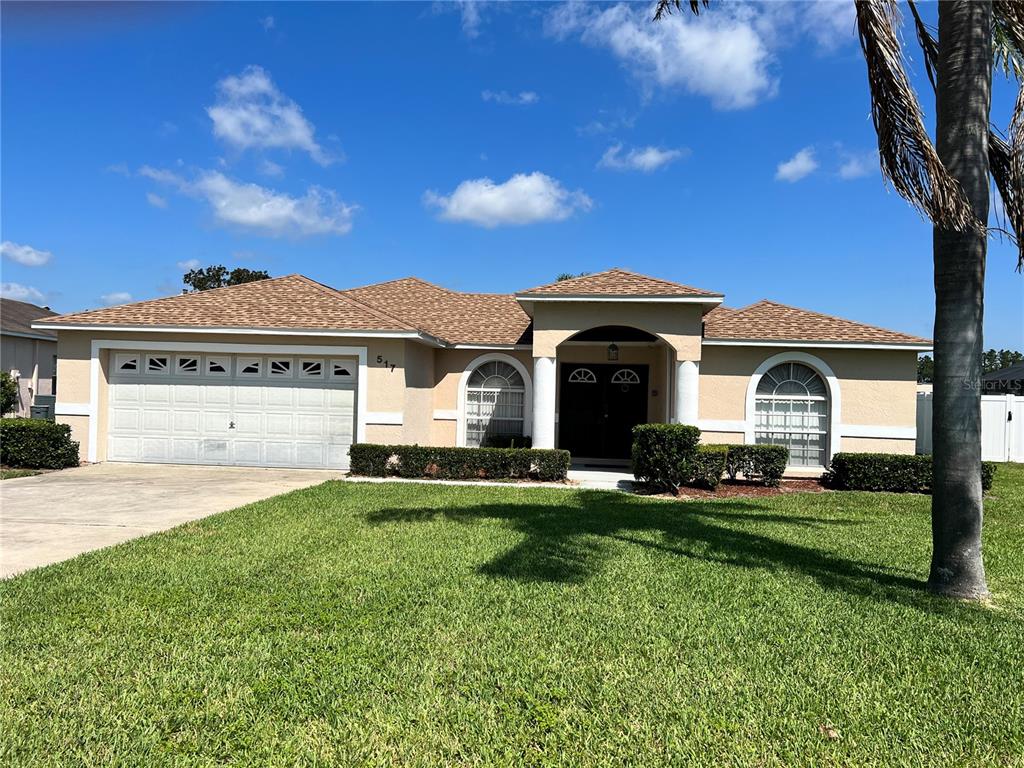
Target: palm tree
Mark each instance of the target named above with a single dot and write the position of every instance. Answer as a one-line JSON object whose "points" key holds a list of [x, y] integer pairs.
{"points": [[948, 181]]}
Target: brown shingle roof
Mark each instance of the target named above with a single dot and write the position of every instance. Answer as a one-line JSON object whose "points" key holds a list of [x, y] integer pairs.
{"points": [[770, 321], [292, 301], [458, 318], [616, 282], [18, 316]]}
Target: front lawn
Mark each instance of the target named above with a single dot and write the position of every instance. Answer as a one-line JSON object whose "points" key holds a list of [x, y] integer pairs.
{"points": [[431, 625], [7, 473]]}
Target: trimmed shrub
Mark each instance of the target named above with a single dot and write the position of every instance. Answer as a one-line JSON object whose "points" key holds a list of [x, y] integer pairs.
{"points": [[708, 466], [889, 472], [663, 454], [766, 463], [37, 444], [416, 461]]}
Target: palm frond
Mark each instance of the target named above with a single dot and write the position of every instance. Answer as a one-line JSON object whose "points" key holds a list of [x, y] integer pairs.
{"points": [[665, 7], [1005, 160], [1008, 37], [908, 157]]}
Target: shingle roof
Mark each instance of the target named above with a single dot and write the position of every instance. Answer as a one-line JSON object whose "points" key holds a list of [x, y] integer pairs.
{"points": [[458, 318], [769, 321], [292, 301], [18, 316], [616, 282]]}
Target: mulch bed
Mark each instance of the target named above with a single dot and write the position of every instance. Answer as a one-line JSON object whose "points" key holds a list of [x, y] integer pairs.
{"points": [[731, 489]]}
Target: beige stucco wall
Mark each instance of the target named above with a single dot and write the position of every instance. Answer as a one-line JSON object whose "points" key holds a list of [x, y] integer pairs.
{"points": [[677, 324], [877, 387], [418, 409], [28, 357], [721, 438], [878, 445]]}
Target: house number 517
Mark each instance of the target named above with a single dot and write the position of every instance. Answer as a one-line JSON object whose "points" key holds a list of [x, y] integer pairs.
{"points": [[386, 363]]}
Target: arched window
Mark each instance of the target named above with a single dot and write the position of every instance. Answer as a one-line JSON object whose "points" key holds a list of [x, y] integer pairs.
{"points": [[625, 376], [791, 409], [582, 376], [495, 404]]}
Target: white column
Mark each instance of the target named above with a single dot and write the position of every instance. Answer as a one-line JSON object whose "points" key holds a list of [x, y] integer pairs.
{"points": [[544, 402], [687, 378]]}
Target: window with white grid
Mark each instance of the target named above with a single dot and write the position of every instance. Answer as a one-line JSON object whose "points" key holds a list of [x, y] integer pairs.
{"points": [[495, 403], [791, 409]]}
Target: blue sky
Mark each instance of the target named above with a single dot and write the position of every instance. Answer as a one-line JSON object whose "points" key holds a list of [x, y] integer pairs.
{"points": [[483, 147]]}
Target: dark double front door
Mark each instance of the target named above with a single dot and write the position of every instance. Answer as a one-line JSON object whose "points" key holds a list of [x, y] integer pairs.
{"points": [[599, 404]]}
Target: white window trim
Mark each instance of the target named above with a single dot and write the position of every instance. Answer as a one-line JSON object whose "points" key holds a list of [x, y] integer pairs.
{"points": [[167, 368], [245, 362], [460, 432], [224, 361], [302, 373], [339, 377], [831, 381], [98, 345], [270, 368], [121, 358], [177, 365]]}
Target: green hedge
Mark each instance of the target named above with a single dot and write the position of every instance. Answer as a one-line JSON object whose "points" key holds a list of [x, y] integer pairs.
{"points": [[708, 466], [889, 472], [37, 444], [766, 463], [415, 461], [663, 455]]}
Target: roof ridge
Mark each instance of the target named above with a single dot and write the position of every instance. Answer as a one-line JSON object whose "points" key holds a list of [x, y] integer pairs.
{"points": [[407, 278], [341, 295]]}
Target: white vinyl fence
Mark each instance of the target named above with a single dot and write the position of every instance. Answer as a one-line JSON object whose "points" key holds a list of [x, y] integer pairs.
{"points": [[1002, 426]]}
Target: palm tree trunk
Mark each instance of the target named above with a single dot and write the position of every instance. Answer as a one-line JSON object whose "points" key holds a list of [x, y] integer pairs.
{"points": [[963, 99]]}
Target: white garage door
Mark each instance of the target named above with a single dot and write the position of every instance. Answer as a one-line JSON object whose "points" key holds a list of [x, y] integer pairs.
{"points": [[250, 410]]}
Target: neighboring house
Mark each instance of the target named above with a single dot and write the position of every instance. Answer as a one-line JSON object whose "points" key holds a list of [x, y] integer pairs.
{"points": [[27, 353], [288, 372], [1007, 381]]}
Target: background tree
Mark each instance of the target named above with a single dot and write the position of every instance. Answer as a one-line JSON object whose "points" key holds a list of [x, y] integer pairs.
{"points": [[8, 393], [218, 276], [569, 275], [948, 181], [997, 361], [925, 369]]}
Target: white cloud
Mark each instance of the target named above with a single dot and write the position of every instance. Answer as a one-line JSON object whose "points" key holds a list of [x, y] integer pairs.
{"points": [[521, 99], [263, 210], [721, 55], [856, 166], [20, 292], [267, 22], [799, 165], [189, 264], [645, 159], [117, 297], [830, 23], [606, 124], [270, 168], [251, 113], [155, 200], [523, 199], [470, 11], [25, 255]]}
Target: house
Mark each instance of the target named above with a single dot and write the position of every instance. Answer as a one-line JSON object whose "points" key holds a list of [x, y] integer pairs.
{"points": [[289, 372], [27, 353]]}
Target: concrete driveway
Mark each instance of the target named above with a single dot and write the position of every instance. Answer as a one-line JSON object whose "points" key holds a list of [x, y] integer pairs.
{"points": [[52, 517]]}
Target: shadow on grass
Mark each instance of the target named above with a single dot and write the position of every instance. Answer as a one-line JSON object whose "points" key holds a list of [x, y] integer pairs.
{"points": [[567, 543]]}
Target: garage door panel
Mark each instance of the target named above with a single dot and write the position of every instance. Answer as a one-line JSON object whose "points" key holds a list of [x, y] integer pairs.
{"points": [[156, 421], [247, 452], [124, 419], [185, 450], [214, 396], [239, 419], [186, 423]]}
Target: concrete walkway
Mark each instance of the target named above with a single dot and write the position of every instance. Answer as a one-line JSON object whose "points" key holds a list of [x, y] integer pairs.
{"points": [[55, 516]]}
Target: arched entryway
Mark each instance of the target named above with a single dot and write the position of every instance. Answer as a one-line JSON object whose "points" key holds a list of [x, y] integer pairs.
{"points": [[610, 379]]}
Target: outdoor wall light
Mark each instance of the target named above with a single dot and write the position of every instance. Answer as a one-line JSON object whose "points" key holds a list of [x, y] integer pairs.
{"points": [[613, 352]]}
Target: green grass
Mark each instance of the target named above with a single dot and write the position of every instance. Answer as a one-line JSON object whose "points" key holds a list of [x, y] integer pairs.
{"points": [[10, 474], [430, 625]]}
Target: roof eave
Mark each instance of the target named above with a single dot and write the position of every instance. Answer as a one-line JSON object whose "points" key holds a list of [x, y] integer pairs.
{"points": [[398, 333], [919, 346]]}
